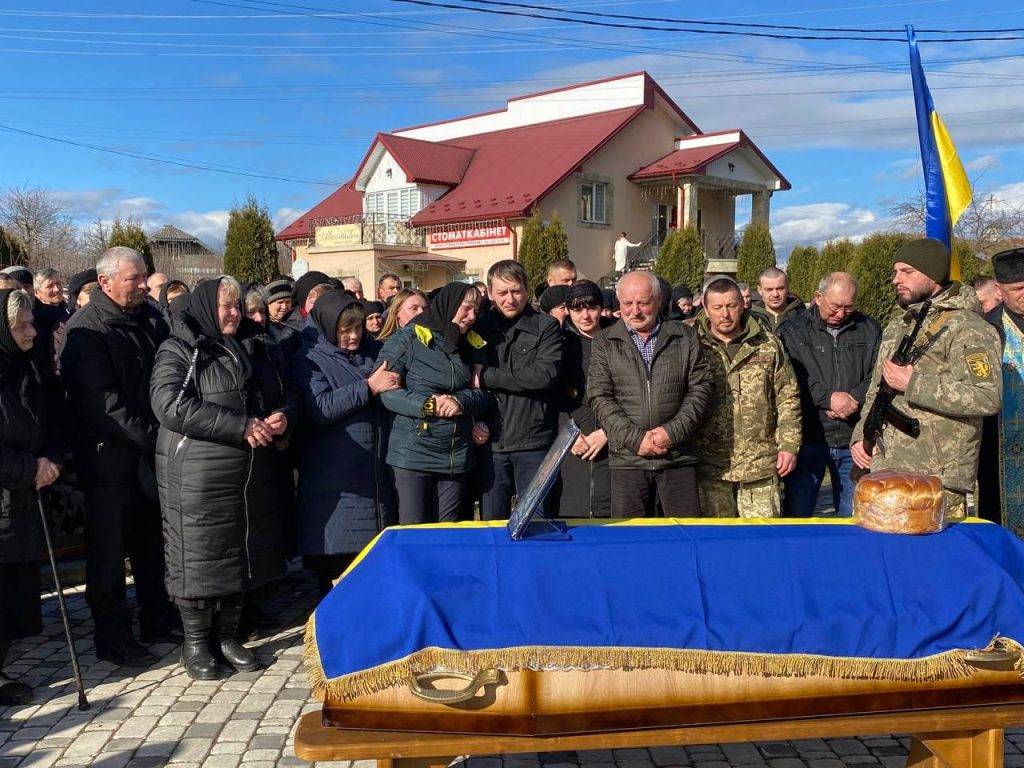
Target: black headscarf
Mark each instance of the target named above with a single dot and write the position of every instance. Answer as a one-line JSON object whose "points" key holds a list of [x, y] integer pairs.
{"points": [[166, 288], [14, 362], [328, 309], [202, 312], [442, 308]]}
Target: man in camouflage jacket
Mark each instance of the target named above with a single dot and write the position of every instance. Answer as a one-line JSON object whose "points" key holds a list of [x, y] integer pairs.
{"points": [[752, 435], [952, 384]]}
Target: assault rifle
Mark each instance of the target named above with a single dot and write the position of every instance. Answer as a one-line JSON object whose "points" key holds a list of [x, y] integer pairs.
{"points": [[882, 410]]}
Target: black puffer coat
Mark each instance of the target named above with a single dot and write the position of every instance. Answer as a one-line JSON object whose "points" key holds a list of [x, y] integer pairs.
{"points": [[222, 518], [27, 432]]}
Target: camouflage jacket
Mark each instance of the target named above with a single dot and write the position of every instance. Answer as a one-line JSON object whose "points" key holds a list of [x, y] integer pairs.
{"points": [[756, 408], [956, 382]]}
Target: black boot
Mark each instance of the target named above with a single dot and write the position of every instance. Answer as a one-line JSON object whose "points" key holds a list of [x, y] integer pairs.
{"points": [[12, 692], [234, 653], [196, 655]]}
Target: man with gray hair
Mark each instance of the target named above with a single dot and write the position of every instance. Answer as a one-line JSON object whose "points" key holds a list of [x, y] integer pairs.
{"points": [[106, 362], [832, 347], [650, 387], [354, 285]]}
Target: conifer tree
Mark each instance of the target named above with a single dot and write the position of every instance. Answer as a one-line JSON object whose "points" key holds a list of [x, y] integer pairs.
{"points": [[130, 233], [681, 258], [756, 253], [250, 251]]}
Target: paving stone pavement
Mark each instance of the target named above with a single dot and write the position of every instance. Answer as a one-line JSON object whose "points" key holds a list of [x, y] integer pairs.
{"points": [[150, 718]]}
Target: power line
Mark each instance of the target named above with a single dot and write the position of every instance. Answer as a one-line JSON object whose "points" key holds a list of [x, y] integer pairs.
{"points": [[178, 162], [694, 30], [712, 23]]}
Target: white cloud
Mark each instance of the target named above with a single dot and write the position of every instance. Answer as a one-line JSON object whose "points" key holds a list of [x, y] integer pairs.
{"points": [[107, 204], [284, 216], [984, 163], [821, 107], [818, 223]]}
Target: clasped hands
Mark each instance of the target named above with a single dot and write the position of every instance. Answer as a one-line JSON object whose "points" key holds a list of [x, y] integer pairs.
{"points": [[842, 405], [261, 432], [446, 406], [656, 442]]}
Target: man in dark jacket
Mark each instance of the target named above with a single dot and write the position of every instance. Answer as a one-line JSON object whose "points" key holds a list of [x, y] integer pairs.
{"points": [[776, 302], [522, 369], [650, 386], [833, 349], [106, 362]]}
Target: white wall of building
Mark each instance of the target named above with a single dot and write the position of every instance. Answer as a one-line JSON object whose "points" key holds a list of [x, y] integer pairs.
{"points": [[744, 169]]}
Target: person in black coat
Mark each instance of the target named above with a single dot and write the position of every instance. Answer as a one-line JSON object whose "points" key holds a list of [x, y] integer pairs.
{"points": [[220, 396], [30, 456], [522, 368], [430, 447], [106, 362], [586, 480], [344, 496]]}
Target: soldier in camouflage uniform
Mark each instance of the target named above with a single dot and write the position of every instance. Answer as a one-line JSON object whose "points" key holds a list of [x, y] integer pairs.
{"points": [[752, 435], [952, 384]]}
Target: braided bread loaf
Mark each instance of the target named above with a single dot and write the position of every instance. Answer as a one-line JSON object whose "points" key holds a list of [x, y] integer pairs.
{"points": [[899, 502]]}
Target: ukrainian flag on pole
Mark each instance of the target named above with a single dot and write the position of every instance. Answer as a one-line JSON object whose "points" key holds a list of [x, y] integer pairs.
{"points": [[947, 190]]}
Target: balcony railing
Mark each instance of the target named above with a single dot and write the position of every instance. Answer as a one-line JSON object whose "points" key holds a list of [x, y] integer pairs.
{"points": [[366, 229]]}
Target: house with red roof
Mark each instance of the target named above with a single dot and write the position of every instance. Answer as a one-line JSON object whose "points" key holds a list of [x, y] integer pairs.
{"points": [[444, 201]]}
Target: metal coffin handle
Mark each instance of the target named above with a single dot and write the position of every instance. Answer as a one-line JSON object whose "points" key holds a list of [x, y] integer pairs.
{"points": [[473, 684]]}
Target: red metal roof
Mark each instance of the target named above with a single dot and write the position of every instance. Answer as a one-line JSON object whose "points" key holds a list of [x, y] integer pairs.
{"points": [[684, 161], [512, 169], [343, 201], [693, 160], [426, 162]]}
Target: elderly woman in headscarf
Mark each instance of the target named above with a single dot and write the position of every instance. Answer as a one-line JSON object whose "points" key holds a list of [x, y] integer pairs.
{"points": [[344, 498], [220, 395], [30, 453], [430, 448]]}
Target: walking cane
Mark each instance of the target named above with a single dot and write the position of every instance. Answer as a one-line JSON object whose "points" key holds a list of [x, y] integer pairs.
{"points": [[83, 703]]}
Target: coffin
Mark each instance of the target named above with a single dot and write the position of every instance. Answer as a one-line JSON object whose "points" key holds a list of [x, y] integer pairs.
{"points": [[467, 643]]}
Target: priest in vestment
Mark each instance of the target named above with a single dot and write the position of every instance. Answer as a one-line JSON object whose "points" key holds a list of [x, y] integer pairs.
{"points": [[1001, 470]]}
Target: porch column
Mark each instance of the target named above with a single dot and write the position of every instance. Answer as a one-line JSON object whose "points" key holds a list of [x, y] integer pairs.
{"points": [[687, 210], [759, 209]]}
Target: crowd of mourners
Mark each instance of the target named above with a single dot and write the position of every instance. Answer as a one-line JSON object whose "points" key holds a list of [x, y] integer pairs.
{"points": [[221, 430]]}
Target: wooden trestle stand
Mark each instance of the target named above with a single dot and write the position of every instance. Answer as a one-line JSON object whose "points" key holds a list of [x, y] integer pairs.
{"points": [[954, 737]]}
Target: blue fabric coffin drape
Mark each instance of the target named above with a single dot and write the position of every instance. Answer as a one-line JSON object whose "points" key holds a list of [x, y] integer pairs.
{"points": [[828, 589]]}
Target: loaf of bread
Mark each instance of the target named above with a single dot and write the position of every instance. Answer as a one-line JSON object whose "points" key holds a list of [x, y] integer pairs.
{"points": [[899, 502]]}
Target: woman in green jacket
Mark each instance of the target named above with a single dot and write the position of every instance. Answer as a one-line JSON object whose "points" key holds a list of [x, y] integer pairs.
{"points": [[431, 446]]}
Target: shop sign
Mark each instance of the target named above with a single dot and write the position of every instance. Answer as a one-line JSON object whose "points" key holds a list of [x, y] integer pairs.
{"points": [[338, 234], [470, 237]]}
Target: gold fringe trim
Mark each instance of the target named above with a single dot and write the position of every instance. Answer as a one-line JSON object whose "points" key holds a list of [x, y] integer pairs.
{"points": [[950, 665]]}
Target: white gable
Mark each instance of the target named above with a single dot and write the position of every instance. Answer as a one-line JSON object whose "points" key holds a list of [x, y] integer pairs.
{"points": [[743, 164], [385, 173], [579, 100]]}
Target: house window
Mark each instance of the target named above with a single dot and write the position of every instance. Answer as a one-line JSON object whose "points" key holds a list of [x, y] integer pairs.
{"points": [[593, 195], [398, 203]]}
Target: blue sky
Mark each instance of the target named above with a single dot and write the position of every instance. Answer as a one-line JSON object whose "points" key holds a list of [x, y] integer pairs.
{"points": [[276, 90]]}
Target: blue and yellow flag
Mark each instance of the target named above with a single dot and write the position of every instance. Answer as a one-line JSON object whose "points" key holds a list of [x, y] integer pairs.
{"points": [[946, 188]]}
